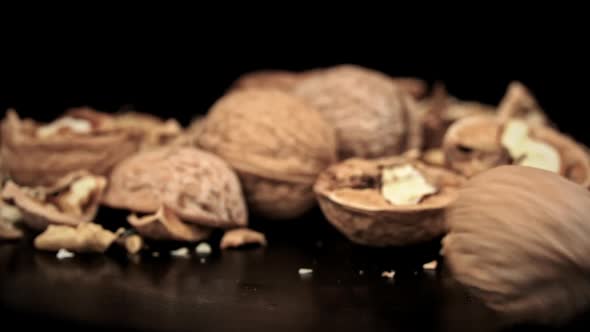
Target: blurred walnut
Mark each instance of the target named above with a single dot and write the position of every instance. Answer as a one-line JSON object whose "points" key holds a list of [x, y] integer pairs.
{"points": [[386, 202], [478, 143], [198, 186], [439, 111], [36, 154], [73, 199], [373, 117], [518, 240], [276, 143], [153, 130], [86, 237], [10, 216], [268, 79]]}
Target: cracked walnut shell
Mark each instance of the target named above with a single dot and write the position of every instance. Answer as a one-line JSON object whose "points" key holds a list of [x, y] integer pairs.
{"points": [[198, 186], [518, 240], [474, 144], [276, 143], [38, 155], [373, 116], [73, 199], [352, 197]]}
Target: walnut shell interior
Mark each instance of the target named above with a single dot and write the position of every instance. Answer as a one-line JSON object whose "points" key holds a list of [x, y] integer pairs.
{"points": [[350, 197]]}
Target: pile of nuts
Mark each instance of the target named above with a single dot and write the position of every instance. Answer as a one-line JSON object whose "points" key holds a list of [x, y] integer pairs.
{"points": [[389, 161]]}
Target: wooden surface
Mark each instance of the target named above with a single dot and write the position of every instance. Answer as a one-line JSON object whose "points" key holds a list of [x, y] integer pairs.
{"points": [[257, 289]]}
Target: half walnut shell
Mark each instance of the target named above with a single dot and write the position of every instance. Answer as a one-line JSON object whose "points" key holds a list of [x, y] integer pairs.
{"points": [[74, 199], [473, 145], [198, 186], [350, 196], [35, 154]]}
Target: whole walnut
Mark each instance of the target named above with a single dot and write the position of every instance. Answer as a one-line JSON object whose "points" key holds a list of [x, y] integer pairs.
{"points": [[276, 143], [372, 115], [373, 208], [196, 185], [518, 240], [35, 154]]}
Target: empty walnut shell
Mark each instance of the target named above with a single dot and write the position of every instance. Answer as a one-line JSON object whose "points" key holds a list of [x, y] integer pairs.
{"points": [[350, 197], [372, 116], [31, 160], [473, 145], [518, 240], [198, 186], [276, 143], [59, 204]]}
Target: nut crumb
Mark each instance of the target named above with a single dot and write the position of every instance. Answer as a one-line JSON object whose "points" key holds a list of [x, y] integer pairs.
{"points": [[203, 249], [63, 254], [430, 265], [155, 254], [388, 274], [361, 272], [180, 252], [238, 237], [305, 272]]}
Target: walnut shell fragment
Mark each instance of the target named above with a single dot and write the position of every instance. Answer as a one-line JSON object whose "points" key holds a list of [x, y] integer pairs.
{"points": [[239, 237], [350, 195], [74, 199], [35, 154], [165, 225], [373, 117], [198, 186], [518, 102], [474, 144], [84, 238], [518, 240], [276, 143]]}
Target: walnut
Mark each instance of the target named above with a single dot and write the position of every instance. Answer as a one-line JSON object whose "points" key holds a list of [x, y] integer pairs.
{"points": [[373, 117], [415, 87], [72, 200], [86, 237], [165, 225], [478, 143], [518, 240], [198, 186], [268, 79], [276, 143], [154, 131], [519, 103], [439, 111], [10, 216], [387, 202], [38, 155], [238, 237]]}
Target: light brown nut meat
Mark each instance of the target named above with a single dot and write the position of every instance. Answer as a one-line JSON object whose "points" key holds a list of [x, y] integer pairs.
{"points": [[270, 137], [372, 116], [74, 199], [350, 195], [165, 225], [86, 237], [238, 237], [198, 186], [474, 144], [518, 240], [32, 160]]}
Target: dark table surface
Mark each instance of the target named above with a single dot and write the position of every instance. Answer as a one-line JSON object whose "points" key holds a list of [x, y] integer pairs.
{"points": [[254, 289]]}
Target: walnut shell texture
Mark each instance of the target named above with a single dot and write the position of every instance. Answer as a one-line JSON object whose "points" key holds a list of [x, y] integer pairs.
{"points": [[31, 161], [518, 240], [38, 213], [351, 201], [268, 79], [276, 143], [373, 117], [198, 186]]}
